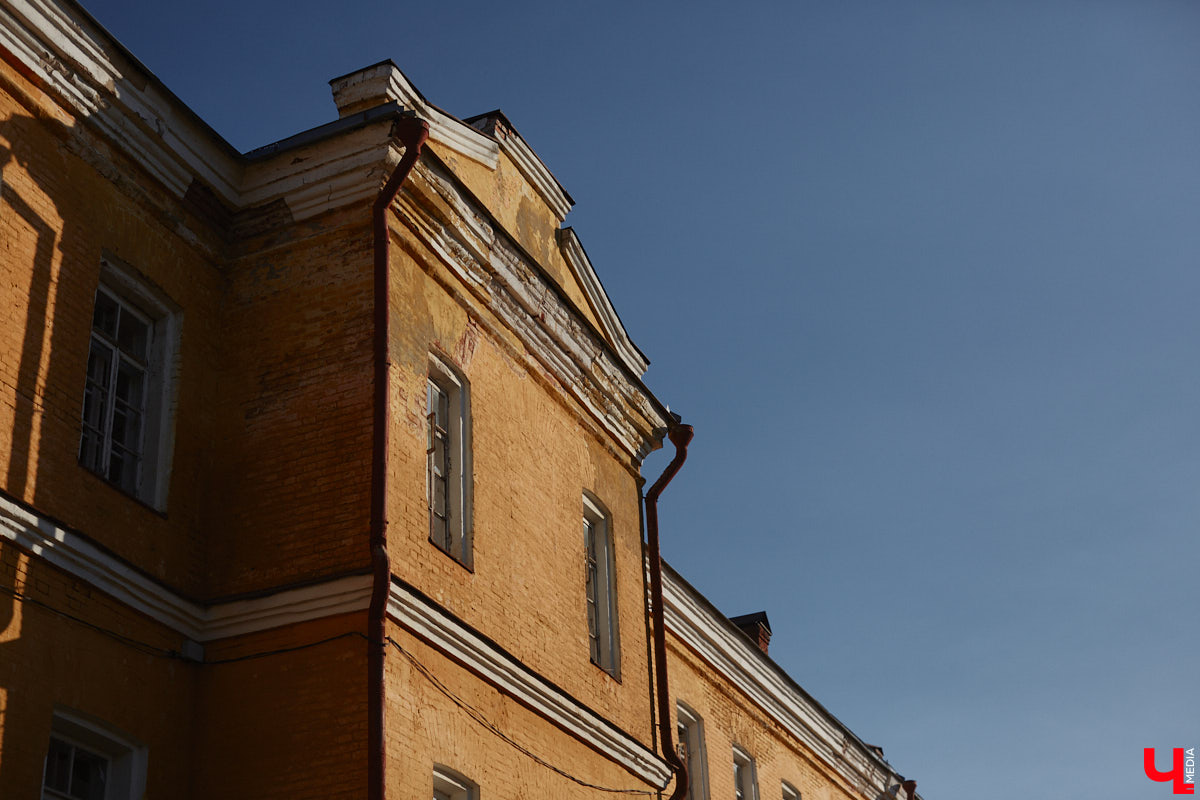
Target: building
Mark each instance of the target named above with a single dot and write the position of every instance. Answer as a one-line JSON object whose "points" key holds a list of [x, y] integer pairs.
{"points": [[322, 469]]}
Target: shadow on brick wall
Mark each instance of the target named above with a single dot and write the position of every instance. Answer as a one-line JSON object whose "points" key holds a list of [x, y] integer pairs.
{"points": [[30, 189]]}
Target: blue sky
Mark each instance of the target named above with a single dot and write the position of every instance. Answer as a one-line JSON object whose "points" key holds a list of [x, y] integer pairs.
{"points": [[922, 275]]}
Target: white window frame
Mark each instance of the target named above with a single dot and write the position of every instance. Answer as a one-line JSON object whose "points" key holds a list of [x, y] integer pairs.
{"points": [[695, 758], [790, 792], [450, 785], [748, 790], [454, 536], [134, 296], [127, 759], [600, 588]]}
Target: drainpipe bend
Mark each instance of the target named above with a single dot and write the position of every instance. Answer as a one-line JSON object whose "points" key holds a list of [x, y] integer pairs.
{"points": [[410, 131], [680, 435]]}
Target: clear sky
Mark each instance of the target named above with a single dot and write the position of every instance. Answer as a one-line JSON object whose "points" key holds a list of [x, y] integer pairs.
{"points": [[923, 275]]}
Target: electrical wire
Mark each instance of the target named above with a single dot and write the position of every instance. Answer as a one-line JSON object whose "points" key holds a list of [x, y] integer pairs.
{"points": [[478, 716], [281, 650], [162, 652], [474, 713], [140, 646]]}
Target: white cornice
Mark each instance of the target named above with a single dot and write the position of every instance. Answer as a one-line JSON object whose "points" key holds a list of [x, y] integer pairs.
{"points": [[475, 248], [581, 266], [76, 61], [690, 618], [338, 596], [74, 555], [130, 110], [328, 173], [100, 85], [444, 632], [534, 170], [81, 559], [385, 82]]}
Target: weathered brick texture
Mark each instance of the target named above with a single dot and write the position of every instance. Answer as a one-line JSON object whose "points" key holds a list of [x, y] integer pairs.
{"points": [[271, 471], [731, 718]]}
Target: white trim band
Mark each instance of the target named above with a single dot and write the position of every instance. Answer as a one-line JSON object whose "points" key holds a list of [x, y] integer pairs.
{"points": [[500, 669], [743, 665], [581, 266], [476, 248], [81, 559]]}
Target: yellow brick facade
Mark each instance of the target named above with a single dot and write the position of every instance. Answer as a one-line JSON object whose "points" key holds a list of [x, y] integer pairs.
{"points": [[209, 632]]}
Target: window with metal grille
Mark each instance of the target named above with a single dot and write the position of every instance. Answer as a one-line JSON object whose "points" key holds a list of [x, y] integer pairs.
{"points": [[448, 460], [125, 432], [600, 587]]}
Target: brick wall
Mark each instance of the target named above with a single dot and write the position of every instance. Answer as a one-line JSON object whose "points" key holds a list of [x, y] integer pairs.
{"points": [[59, 216], [730, 718], [289, 724], [293, 466], [426, 727], [533, 460], [50, 662]]}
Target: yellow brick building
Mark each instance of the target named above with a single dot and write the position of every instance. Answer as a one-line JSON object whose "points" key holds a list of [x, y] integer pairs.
{"points": [[322, 469]]}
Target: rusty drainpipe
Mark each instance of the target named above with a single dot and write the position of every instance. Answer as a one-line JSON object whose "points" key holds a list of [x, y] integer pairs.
{"points": [[680, 436], [411, 132]]}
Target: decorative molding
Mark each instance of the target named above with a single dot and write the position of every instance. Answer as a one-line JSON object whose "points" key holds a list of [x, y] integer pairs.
{"points": [[581, 266], [329, 172], [74, 59], [475, 247], [107, 90], [236, 617], [81, 559], [456, 640], [384, 82], [535, 171], [496, 125], [85, 561], [695, 623]]}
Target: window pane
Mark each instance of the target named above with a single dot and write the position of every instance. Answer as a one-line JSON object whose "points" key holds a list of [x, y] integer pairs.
{"points": [[58, 766], [448, 460], [133, 335], [121, 470], [438, 468], [104, 318], [131, 385], [95, 405], [88, 775], [116, 394]]}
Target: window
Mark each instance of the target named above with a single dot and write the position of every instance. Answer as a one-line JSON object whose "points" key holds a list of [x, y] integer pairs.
{"points": [[745, 782], [449, 785], [86, 761], [790, 792], [690, 746], [600, 582], [127, 391], [448, 460]]}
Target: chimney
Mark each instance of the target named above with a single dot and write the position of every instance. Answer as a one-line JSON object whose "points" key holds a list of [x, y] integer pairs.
{"points": [[756, 626]]}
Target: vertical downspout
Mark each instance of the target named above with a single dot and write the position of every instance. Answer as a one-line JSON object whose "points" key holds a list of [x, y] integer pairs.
{"points": [[411, 132], [680, 436]]}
